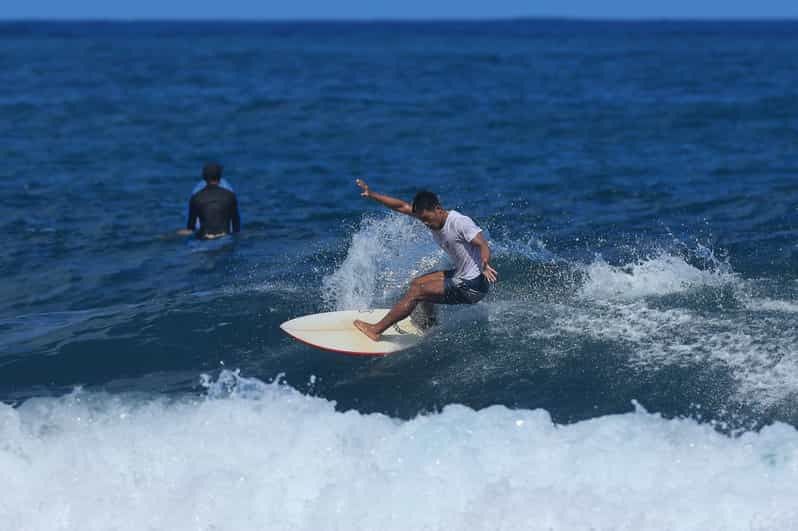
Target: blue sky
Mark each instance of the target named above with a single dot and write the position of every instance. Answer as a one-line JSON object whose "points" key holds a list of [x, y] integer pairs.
{"points": [[413, 9]]}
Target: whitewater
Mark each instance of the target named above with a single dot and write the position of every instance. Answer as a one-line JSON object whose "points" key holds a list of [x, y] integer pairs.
{"points": [[256, 455]]}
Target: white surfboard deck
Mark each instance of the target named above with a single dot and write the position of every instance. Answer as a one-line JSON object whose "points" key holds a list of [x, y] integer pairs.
{"points": [[334, 331]]}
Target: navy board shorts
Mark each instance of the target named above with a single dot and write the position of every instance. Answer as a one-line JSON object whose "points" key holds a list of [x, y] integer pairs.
{"points": [[463, 291]]}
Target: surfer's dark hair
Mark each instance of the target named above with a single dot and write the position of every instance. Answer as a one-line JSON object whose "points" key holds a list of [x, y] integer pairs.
{"points": [[212, 171], [425, 200]]}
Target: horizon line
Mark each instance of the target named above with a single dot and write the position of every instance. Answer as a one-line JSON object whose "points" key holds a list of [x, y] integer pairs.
{"points": [[401, 20]]}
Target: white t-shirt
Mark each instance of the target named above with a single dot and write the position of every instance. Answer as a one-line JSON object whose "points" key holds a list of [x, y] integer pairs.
{"points": [[454, 238]]}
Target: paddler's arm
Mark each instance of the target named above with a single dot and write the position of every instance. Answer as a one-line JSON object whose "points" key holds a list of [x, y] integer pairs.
{"points": [[390, 202], [192, 219], [484, 254], [236, 216]]}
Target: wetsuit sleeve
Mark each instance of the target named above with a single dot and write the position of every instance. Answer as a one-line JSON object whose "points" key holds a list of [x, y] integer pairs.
{"points": [[192, 214], [236, 216]]}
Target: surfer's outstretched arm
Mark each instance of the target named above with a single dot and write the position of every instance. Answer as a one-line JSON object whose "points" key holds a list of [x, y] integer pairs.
{"points": [[390, 202]]}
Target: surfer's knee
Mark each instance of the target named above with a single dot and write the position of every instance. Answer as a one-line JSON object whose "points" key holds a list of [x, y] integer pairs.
{"points": [[416, 288]]}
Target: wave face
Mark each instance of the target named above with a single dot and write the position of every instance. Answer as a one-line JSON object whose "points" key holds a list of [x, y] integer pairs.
{"points": [[252, 455]]}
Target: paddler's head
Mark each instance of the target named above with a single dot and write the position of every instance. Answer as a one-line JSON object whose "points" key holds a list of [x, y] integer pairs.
{"points": [[212, 173]]}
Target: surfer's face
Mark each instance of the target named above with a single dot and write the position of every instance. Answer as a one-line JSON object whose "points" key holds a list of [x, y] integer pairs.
{"points": [[433, 219]]}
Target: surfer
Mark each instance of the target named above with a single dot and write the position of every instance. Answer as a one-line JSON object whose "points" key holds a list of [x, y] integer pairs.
{"points": [[224, 183], [462, 240], [215, 205]]}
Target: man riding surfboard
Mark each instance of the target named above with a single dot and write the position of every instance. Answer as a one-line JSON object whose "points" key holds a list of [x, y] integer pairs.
{"points": [[462, 240]]}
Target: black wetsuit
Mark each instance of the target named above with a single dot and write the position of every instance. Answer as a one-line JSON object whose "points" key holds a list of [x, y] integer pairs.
{"points": [[216, 209]]}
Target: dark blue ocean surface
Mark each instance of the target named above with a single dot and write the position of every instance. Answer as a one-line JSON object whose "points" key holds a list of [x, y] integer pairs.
{"points": [[638, 182]]}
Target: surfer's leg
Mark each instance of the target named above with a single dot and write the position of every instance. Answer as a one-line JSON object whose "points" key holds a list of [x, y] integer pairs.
{"points": [[426, 288], [424, 315]]}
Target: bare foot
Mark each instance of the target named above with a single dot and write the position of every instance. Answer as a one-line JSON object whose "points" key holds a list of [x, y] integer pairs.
{"points": [[367, 329]]}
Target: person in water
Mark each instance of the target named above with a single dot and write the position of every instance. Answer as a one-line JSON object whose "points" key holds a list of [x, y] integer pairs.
{"points": [[224, 183], [462, 240], [215, 206]]}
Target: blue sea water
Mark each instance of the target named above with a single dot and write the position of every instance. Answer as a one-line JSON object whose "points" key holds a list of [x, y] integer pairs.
{"points": [[636, 366]]}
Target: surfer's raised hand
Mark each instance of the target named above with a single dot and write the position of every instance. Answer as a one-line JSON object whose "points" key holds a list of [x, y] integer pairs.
{"points": [[390, 202], [362, 184], [490, 274]]}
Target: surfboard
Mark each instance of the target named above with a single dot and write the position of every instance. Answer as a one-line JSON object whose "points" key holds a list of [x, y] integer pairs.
{"points": [[334, 331]]}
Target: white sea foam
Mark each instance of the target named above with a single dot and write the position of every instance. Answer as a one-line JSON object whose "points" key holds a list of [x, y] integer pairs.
{"points": [[761, 352], [267, 457], [660, 275], [771, 305], [385, 253], [530, 247]]}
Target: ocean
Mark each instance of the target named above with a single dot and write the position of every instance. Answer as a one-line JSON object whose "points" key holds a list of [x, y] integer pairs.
{"points": [[635, 367]]}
